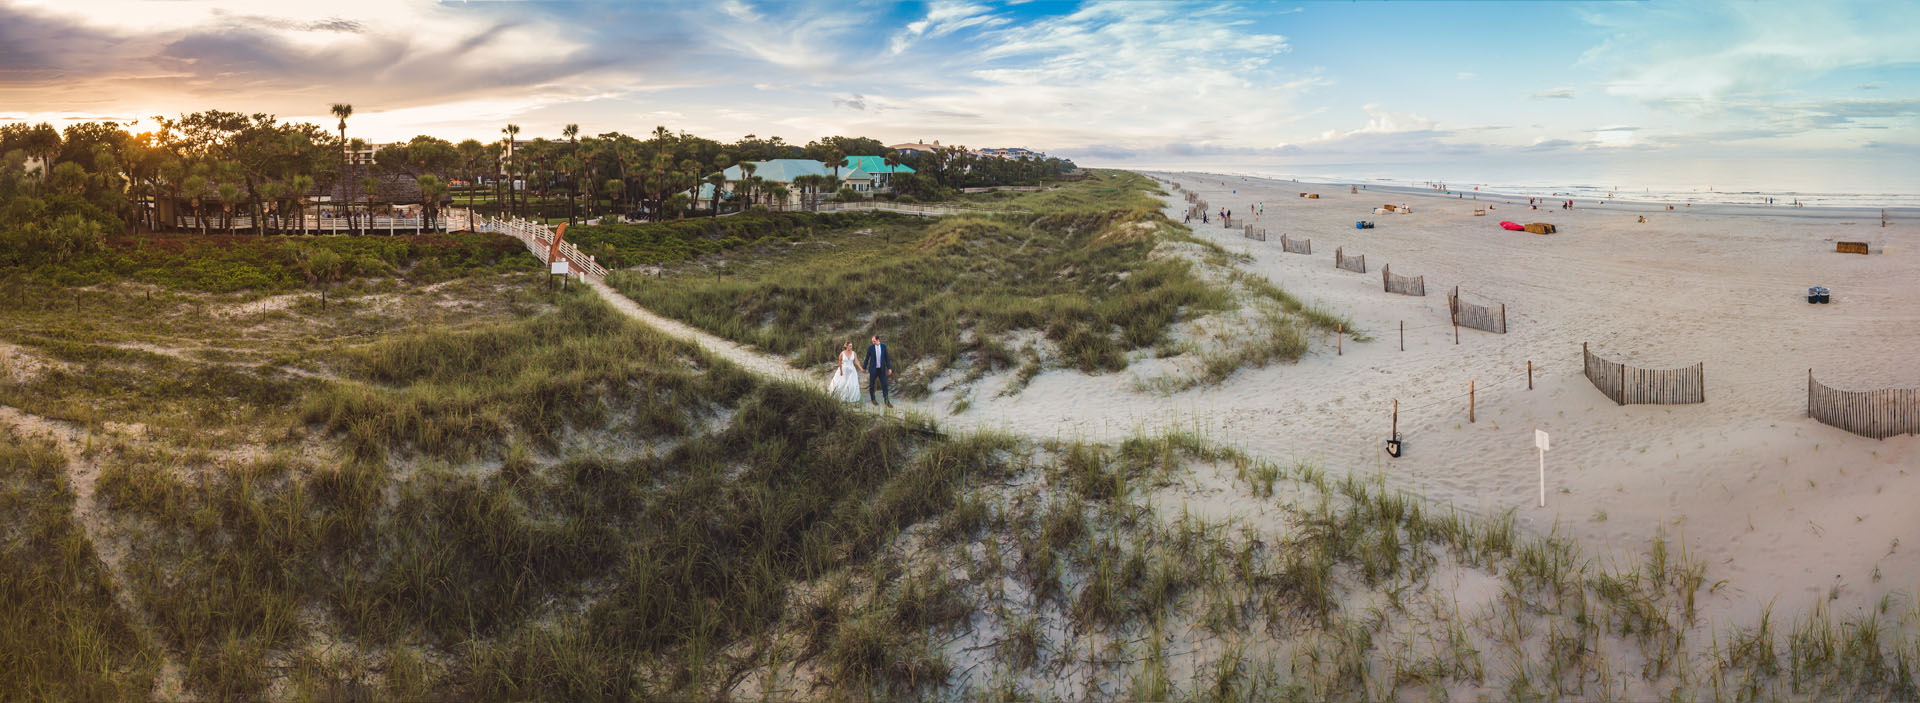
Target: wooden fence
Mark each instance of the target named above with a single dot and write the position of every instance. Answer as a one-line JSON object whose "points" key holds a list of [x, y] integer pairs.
{"points": [[323, 225], [910, 209], [1356, 264], [1479, 317], [1878, 414], [1627, 385], [1255, 233], [1404, 285], [1296, 246]]}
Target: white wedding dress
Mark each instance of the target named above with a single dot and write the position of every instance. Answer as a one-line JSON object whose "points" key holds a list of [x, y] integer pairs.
{"points": [[846, 381]]}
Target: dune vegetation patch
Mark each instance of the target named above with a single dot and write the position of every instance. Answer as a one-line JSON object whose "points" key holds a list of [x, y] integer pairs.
{"points": [[950, 294]]}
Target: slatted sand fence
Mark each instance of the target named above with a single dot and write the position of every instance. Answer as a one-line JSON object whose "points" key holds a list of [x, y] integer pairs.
{"points": [[1296, 246], [1878, 414], [1254, 233], [1627, 385], [1356, 263], [1486, 318], [1404, 285]]}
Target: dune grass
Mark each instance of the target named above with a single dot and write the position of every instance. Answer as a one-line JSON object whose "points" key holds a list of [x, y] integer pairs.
{"points": [[946, 294], [537, 499], [62, 634]]}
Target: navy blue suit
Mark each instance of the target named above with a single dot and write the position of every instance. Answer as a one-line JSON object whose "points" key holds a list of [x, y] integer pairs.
{"points": [[879, 364]]}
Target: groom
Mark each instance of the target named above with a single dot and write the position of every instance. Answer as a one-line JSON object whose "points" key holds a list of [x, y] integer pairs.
{"points": [[879, 368]]}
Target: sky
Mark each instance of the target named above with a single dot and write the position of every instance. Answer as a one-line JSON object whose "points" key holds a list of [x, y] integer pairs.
{"points": [[1808, 96]]}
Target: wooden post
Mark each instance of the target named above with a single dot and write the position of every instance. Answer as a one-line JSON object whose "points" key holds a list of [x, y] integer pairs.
{"points": [[1396, 416], [1810, 387], [1503, 318], [1403, 335], [1530, 374], [1339, 339], [1453, 311], [1469, 401]]}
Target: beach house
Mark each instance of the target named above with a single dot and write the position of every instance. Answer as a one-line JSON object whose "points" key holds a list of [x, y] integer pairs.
{"points": [[874, 171], [915, 147], [862, 174]]}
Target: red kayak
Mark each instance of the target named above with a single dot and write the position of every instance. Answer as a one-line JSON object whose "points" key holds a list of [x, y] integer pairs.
{"points": [[1512, 226]]}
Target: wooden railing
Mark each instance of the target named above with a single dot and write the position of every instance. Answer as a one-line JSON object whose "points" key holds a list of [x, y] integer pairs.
{"points": [[321, 225], [538, 239], [910, 209], [1878, 414]]}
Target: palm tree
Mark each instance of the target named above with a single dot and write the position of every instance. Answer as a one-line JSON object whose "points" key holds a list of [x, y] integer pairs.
{"points": [[613, 188], [301, 184], [777, 196], [344, 111], [371, 184], [718, 181], [471, 152], [270, 198], [228, 193], [195, 185], [570, 165], [431, 190], [511, 131], [836, 157], [170, 174]]}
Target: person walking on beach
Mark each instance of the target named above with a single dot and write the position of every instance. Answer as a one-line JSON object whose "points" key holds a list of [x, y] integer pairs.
{"points": [[879, 369], [845, 386]]}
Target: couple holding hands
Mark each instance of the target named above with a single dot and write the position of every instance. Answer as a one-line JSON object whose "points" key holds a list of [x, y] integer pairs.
{"points": [[878, 366]]}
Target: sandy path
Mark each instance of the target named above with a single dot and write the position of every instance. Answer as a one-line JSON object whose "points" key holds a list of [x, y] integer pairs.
{"points": [[761, 364]]}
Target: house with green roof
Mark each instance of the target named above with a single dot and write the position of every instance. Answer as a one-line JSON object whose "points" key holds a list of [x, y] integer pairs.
{"points": [[864, 174], [875, 167]]}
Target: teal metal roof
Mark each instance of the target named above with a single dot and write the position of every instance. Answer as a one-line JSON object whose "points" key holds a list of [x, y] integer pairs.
{"points": [[874, 164], [780, 170]]}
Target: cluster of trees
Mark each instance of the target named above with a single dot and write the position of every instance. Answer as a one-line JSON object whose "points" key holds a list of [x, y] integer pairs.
{"points": [[224, 165], [955, 167]]}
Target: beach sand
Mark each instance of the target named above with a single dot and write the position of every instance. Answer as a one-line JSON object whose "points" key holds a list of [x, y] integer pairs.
{"points": [[1782, 509]]}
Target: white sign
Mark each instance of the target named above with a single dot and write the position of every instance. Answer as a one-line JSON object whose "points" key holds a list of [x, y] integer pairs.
{"points": [[1540, 440], [560, 268]]}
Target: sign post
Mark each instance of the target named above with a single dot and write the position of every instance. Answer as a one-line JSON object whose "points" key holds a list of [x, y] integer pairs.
{"points": [[1540, 441]]}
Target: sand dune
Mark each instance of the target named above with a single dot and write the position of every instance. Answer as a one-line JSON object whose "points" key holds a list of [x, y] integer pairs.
{"points": [[1779, 505]]}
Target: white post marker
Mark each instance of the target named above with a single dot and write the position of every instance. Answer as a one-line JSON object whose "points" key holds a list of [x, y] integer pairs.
{"points": [[1540, 441]]}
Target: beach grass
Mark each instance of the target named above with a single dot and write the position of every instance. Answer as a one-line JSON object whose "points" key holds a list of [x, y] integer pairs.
{"points": [[1092, 269]]}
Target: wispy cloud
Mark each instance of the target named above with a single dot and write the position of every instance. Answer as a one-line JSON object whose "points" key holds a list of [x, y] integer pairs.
{"points": [[1554, 94]]}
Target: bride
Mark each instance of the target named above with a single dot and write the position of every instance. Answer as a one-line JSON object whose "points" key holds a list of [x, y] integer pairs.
{"points": [[846, 379]]}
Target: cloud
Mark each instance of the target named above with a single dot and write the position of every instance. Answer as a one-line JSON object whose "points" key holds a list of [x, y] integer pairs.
{"points": [[1741, 56], [1554, 94], [944, 17], [852, 103], [1553, 145], [1465, 75], [287, 65], [1621, 128]]}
